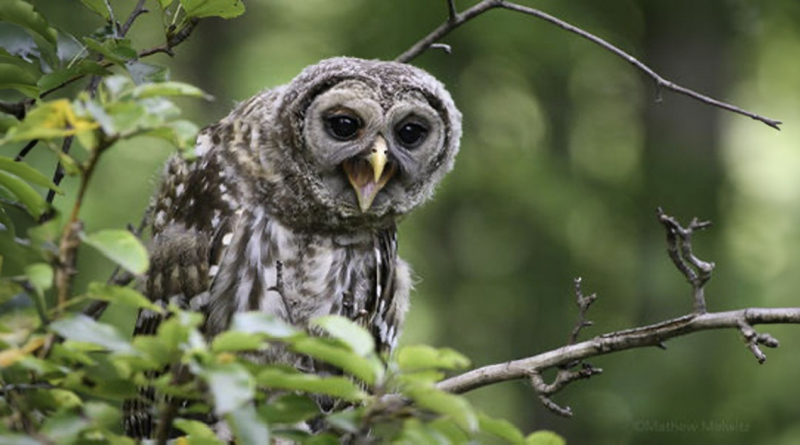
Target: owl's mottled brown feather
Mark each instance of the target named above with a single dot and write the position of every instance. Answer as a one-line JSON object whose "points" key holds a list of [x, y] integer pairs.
{"points": [[268, 201]]}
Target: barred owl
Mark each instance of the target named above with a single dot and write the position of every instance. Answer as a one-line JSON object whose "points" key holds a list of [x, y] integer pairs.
{"points": [[302, 184]]}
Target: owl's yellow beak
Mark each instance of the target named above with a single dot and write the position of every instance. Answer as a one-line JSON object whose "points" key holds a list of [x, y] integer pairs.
{"points": [[368, 174]]}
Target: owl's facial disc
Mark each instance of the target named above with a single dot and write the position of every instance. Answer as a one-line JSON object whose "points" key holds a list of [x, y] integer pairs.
{"points": [[369, 172]]}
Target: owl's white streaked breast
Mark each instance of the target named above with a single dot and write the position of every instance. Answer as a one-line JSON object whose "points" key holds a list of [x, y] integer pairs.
{"points": [[294, 276]]}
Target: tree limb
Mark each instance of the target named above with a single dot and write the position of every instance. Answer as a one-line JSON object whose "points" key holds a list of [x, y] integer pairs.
{"points": [[455, 20], [652, 335]]}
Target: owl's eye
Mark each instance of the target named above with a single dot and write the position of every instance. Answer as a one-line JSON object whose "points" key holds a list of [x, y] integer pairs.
{"points": [[411, 134], [343, 126]]}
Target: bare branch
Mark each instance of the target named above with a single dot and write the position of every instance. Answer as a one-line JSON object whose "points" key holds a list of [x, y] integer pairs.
{"points": [[679, 247], [138, 10], [454, 21], [647, 336], [584, 303]]}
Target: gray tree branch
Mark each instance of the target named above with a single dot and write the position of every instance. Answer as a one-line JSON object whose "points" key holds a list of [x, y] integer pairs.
{"points": [[645, 336], [456, 19]]}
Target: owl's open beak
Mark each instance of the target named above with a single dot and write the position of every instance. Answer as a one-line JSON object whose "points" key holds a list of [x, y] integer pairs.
{"points": [[368, 174]]}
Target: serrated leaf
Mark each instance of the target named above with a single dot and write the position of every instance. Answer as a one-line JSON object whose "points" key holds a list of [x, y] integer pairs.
{"points": [[339, 387], [370, 370], [16, 78], [231, 386], [232, 341], [27, 173], [262, 323], [456, 407], [423, 357], [30, 198], [213, 8], [121, 295], [247, 427], [84, 329], [167, 89], [122, 247], [24, 14], [500, 428], [351, 334], [289, 409], [98, 7], [545, 438]]}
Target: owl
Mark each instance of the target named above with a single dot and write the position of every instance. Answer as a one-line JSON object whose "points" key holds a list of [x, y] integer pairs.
{"points": [[291, 203]]}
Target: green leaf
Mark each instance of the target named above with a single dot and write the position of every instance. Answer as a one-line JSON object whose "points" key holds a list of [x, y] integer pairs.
{"points": [[167, 89], [14, 77], [49, 120], [23, 14], [457, 408], [370, 370], [349, 333], [30, 198], [500, 428], [26, 172], [423, 357], [289, 409], [339, 387], [232, 341], [98, 7], [122, 247], [102, 414], [165, 3], [213, 8], [262, 323], [181, 133], [349, 420], [231, 386], [122, 295], [59, 77], [40, 276], [118, 51], [84, 329], [247, 427], [198, 432], [545, 438], [142, 72], [66, 426]]}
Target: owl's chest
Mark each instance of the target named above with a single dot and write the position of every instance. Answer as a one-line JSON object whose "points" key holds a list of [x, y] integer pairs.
{"points": [[294, 276]]}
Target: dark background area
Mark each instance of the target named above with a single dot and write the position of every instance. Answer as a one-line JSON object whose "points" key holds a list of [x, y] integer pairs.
{"points": [[567, 151]]}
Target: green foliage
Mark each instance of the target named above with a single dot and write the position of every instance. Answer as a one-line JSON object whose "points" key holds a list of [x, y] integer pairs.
{"points": [[64, 374]]}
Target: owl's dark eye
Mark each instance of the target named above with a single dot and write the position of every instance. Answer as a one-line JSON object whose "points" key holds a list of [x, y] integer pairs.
{"points": [[343, 126], [411, 134]]}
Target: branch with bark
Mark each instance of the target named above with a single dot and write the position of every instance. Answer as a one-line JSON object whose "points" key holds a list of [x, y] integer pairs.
{"points": [[456, 19], [569, 360]]}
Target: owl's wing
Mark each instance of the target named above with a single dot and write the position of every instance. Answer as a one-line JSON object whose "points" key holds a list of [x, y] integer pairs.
{"points": [[192, 213]]}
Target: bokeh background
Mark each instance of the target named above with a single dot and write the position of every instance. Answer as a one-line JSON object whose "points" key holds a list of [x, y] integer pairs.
{"points": [[567, 152]]}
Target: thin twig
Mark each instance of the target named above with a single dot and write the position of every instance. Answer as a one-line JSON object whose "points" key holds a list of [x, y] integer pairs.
{"points": [[584, 303], [679, 248], [661, 83], [138, 10], [26, 149]]}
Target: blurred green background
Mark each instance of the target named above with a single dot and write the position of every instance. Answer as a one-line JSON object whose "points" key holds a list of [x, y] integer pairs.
{"points": [[567, 151]]}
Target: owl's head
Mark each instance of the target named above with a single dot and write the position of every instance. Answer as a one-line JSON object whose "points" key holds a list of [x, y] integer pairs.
{"points": [[360, 142]]}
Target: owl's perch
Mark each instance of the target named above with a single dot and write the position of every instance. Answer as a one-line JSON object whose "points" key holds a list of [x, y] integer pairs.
{"points": [[571, 356], [456, 19]]}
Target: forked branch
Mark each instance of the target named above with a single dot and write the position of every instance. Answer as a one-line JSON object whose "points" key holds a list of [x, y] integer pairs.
{"points": [[456, 19], [568, 360]]}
